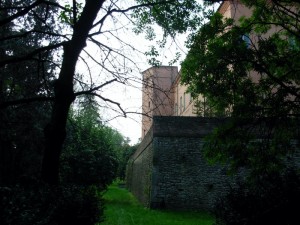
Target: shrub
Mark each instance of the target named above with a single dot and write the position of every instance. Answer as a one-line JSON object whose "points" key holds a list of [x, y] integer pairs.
{"points": [[270, 199], [89, 167], [78, 205], [41, 205]]}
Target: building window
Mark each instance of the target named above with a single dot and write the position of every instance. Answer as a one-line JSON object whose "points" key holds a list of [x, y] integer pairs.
{"points": [[176, 109], [180, 107], [183, 101]]}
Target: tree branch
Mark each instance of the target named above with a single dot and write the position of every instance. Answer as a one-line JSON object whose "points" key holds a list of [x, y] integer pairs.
{"points": [[31, 54], [95, 88], [111, 101], [27, 9], [4, 105], [29, 32], [129, 9], [20, 13]]}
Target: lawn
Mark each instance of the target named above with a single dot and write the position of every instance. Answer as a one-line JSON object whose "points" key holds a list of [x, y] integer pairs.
{"points": [[121, 208]]}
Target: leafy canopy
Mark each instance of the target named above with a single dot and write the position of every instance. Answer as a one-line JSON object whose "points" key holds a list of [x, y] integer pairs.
{"points": [[173, 17], [248, 69]]}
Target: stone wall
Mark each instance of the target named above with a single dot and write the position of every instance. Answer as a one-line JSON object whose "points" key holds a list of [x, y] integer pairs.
{"points": [[169, 171], [139, 170], [182, 179]]}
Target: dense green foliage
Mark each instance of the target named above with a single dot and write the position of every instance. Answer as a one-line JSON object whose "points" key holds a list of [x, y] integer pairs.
{"points": [[255, 81], [123, 209], [270, 200], [248, 69], [40, 45], [93, 151], [173, 18], [43, 205], [90, 162], [21, 127]]}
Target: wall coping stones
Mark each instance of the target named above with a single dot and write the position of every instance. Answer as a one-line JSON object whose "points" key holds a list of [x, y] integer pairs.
{"points": [[180, 126]]}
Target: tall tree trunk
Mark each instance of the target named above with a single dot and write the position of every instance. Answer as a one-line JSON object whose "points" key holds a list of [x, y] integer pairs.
{"points": [[55, 131]]}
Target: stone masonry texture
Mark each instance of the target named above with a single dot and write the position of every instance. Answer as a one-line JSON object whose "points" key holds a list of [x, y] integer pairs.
{"points": [[169, 170]]}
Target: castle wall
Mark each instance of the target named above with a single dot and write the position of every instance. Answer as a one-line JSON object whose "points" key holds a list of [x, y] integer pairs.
{"points": [[176, 176], [139, 170], [169, 169]]}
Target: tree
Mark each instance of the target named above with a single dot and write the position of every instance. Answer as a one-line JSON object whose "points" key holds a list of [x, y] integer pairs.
{"points": [[255, 82], [92, 149], [20, 154], [248, 72], [75, 24]]}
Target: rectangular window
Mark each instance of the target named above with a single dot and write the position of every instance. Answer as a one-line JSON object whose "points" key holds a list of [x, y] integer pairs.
{"points": [[176, 109], [183, 101], [180, 104]]}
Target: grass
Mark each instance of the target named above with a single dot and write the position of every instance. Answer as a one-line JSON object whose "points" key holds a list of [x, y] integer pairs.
{"points": [[121, 208]]}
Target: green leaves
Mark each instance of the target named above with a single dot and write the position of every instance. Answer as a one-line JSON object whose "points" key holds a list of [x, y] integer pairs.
{"points": [[216, 64], [153, 53], [173, 17], [93, 151], [67, 15], [253, 80]]}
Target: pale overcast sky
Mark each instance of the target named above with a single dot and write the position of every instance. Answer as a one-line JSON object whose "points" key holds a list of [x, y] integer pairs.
{"points": [[119, 36], [129, 95]]}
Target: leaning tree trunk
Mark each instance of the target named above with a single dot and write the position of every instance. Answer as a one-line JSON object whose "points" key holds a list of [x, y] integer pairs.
{"points": [[55, 131]]}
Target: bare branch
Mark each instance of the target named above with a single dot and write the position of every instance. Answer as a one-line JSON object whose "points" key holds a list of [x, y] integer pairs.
{"points": [[95, 88], [110, 101]]}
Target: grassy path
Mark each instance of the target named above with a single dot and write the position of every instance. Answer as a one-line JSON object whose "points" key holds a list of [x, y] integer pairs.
{"points": [[123, 209]]}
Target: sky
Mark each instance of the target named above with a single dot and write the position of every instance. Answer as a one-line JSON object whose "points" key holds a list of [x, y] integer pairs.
{"points": [[120, 37], [122, 54], [130, 96]]}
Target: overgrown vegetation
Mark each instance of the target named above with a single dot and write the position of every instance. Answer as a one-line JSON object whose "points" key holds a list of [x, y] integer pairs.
{"points": [[41, 43], [247, 68], [42, 204], [92, 149], [123, 209], [89, 164], [269, 199]]}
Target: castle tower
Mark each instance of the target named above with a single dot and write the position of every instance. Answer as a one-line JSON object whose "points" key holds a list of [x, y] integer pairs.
{"points": [[157, 97]]}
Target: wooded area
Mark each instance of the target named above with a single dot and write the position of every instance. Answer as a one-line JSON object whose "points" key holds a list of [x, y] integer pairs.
{"points": [[51, 153], [48, 145]]}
